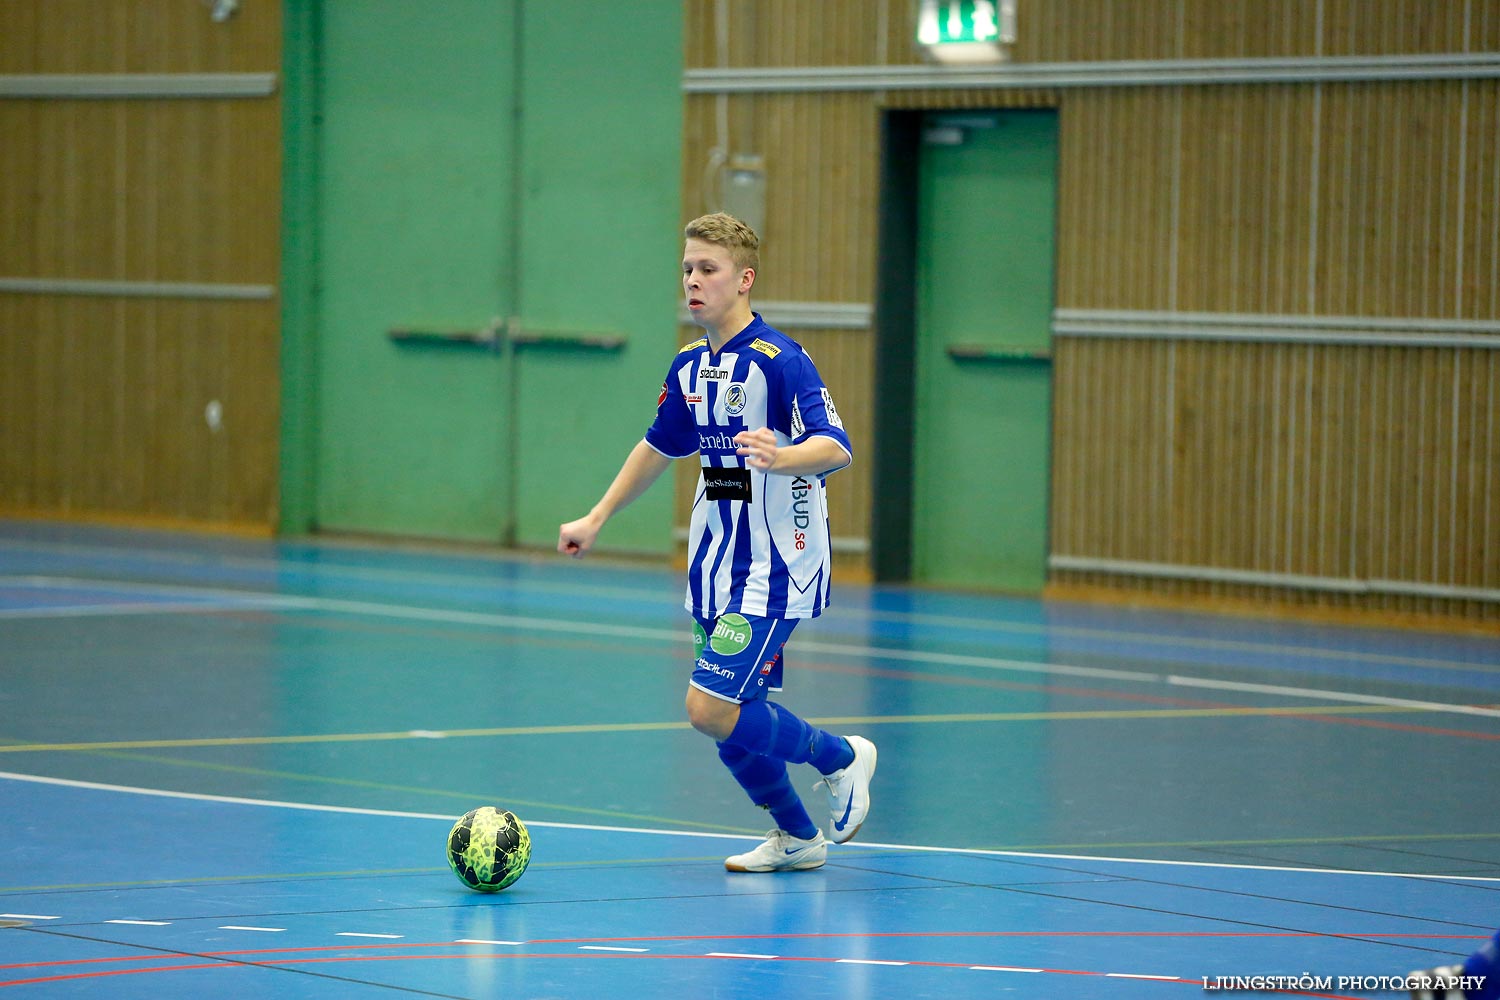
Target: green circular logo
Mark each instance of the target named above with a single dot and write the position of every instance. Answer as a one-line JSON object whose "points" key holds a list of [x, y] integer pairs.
{"points": [[700, 639], [731, 635]]}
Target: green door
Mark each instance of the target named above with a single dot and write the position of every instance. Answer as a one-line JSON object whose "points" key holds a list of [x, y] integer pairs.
{"points": [[985, 250]]}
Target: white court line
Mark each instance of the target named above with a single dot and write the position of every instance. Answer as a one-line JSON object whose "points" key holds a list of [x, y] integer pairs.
{"points": [[142, 923], [259, 930], [600, 947], [1136, 975], [1000, 968], [384, 937], [483, 941], [1348, 696], [865, 961], [737, 954], [27, 916], [122, 610], [976, 851], [523, 622]]}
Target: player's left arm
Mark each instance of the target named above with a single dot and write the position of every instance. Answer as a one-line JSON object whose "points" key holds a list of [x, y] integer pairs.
{"points": [[819, 444], [813, 457]]}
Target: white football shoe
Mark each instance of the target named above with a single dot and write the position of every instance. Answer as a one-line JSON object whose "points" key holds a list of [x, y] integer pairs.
{"points": [[781, 852], [849, 792]]}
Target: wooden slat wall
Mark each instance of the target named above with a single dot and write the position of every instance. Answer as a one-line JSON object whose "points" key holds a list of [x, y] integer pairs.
{"points": [[102, 398], [1376, 199], [1368, 199]]}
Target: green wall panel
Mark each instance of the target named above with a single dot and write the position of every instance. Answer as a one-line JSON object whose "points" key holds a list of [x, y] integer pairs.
{"points": [[413, 227], [296, 509], [600, 246], [507, 160], [984, 284]]}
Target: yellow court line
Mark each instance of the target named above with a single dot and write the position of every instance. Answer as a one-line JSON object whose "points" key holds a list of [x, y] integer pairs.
{"points": [[636, 727]]}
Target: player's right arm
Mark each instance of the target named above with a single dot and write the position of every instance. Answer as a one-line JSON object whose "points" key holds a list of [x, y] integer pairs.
{"points": [[642, 467]]}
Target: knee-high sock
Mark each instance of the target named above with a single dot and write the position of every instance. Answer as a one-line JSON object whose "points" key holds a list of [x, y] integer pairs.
{"points": [[765, 780], [767, 728]]}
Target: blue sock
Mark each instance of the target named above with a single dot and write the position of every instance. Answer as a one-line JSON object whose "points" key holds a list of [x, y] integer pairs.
{"points": [[1486, 962], [764, 727], [765, 780]]}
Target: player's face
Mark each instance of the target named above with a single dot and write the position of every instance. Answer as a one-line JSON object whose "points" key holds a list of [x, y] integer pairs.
{"points": [[711, 282]]}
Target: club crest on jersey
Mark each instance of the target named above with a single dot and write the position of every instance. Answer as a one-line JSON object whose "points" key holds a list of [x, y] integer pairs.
{"points": [[734, 399]]}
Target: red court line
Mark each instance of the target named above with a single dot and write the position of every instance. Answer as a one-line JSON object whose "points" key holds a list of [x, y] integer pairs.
{"points": [[592, 957], [1349, 935]]}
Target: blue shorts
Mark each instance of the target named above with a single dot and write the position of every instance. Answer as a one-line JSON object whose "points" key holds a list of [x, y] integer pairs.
{"points": [[738, 657]]}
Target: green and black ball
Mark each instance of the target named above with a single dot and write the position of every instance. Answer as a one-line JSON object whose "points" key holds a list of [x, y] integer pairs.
{"points": [[488, 849]]}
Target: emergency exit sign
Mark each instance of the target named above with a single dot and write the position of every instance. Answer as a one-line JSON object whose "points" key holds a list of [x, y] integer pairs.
{"points": [[966, 30]]}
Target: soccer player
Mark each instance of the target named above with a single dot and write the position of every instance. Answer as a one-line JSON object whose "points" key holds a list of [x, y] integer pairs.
{"points": [[748, 402], [1481, 975]]}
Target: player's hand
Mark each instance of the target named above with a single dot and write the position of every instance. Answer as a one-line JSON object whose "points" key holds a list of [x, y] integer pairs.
{"points": [[577, 537], [759, 448]]}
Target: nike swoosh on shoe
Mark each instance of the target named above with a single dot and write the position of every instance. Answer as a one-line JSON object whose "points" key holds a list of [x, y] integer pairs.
{"points": [[844, 820]]}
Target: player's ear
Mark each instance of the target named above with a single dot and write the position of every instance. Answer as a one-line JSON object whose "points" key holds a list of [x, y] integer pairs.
{"points": [[747, 278]]}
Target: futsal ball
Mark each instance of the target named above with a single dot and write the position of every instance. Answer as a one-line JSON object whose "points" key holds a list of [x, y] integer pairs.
{"points": [[488, 849]]}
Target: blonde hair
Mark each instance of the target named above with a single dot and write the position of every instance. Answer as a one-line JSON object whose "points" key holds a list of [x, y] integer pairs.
{"points": [[724, 230]]}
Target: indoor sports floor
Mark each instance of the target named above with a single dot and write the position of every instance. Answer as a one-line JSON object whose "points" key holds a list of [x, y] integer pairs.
{"points": [[228, 768]]}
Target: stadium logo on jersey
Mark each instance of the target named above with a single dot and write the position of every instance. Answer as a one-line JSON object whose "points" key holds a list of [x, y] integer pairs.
{"points": [[797, 425], [734, 399], [713, 374], [732, 635], [769, 350], [833, 415]]}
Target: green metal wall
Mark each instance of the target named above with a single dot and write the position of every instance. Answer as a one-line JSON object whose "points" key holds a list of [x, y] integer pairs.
{"points": [[501, 162], [985, 253]]}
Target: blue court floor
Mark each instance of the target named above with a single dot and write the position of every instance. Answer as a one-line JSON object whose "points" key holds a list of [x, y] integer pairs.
{"points": [[227, 769]]}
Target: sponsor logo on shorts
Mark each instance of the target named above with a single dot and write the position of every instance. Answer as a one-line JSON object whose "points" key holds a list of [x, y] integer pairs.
{"points": [[732, 635], [715, 669], [700, 639]]}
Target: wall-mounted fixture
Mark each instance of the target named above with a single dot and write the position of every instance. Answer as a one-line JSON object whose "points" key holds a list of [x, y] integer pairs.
{"points": [[966, 31]]}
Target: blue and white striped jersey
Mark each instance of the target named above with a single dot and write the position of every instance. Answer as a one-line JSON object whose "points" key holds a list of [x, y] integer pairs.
{"points": [[758, 543]]}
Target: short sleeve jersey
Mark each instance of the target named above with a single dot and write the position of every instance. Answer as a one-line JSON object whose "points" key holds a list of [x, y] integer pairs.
{"points": [[758, 543]]}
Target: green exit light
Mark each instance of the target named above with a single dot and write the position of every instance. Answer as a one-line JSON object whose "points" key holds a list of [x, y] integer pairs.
{"points": [[966, 30]]}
